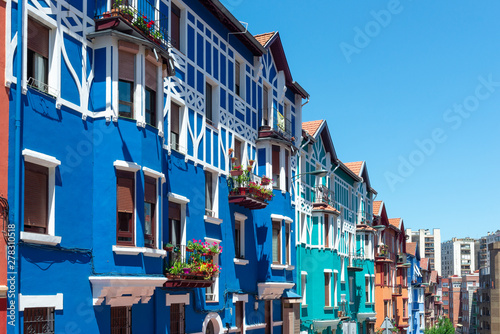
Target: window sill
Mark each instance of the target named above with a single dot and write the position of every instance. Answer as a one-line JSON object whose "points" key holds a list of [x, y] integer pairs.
{"points": [[212, 220], [289, 267], [240, 262], [41, 239], [130, 250], [211, 302], [328, 308], [278, 266], [304, 305]]}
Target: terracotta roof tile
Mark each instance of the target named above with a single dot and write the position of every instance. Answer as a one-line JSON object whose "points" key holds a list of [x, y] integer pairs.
{"points": [[411, 248], [424, 263], [395, 222], [376, 207], [324, 207], [363, 227], [264, 38], [312, 126], [355, 167], [434, 275]]}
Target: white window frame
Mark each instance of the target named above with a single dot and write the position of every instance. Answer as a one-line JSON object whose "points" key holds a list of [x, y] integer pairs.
{"points": [[327, 273], [159, 90], [215, 285], [182, 124], [240, 298], [215, 192], [288, 252], [373, 287], [215, 103], [243, 65], [241, 219], [182, 26], [37, 301], [303, 276], [342, 269], [335, 291], [182, 201], [51, 164], [160, 179]]}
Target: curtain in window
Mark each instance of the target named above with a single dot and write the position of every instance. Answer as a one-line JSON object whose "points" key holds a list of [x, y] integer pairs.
{"points": [[35, 198]]}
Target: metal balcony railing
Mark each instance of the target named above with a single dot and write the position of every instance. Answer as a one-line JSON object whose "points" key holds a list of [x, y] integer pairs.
{"points": [[142, 15], [324, 195]]}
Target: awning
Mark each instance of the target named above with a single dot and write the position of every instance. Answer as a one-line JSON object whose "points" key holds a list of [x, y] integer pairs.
{"points": [[292, 297], [124, 290], [320, 325], [273, 290]]}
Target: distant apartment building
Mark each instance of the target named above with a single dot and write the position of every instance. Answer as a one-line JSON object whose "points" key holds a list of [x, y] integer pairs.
{"points": [[429, 245], [451, 298], [484, 255], [489, 294], [457, 257], [470, 284]]}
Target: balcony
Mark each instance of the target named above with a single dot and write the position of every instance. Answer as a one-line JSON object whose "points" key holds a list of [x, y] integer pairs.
{"points": [[355, 263], [324, 195], [248, 190], [402, 259], [191, 266], [137, 18], [281, 128], [383, 254]]}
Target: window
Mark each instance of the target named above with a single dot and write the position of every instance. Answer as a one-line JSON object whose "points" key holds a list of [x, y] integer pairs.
{"points": [[126, 79], [36, 195], [239, 316], [351, 290], [386, 273], [367, 289], [386, 308], [121, 320], [212, 292], [328, 291], [326, 226], [237, 151], [39, 320], [150, 93], [125, 190], [304, 288], [149, 212], [175, 28], [174, 222], [288, 239], [404, 308], [238, 251], [287, 164], [265, 106], [175, 126], [335, 278], [276, 166], [237, 83], [209, 103], [177, 319], [276, 242], [38, 55], [268, 315], [209, 195]]}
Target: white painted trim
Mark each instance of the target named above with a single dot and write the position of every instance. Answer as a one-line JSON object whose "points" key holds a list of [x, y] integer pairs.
{"points": [[278, 266], [335, 271], [152, 173], [212, 220], [126, 165], [211, 169], [240, 297], [30, 301], [255, 326], [278, 323], [239, 216], [172, 197], [218, 327], [289, 267], [127, 250], [153, 252], [328, 270], [212, 240], [41, 239], [277, 217], [288, 219], [177, 299], [303, 273], [241, 262], [40, 158]]}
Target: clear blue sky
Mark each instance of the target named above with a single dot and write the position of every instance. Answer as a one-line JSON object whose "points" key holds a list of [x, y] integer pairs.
{"points": [[413, 76]]}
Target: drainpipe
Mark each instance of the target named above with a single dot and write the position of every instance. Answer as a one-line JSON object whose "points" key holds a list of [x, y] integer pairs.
{"points": [[16, 213], [306, 101]]}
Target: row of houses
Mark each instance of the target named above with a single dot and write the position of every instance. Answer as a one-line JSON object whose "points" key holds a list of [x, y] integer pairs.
{"points": [[159, 178]]}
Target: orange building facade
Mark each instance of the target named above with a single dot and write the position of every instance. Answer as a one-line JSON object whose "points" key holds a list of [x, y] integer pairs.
{"points": [[391, 284]]}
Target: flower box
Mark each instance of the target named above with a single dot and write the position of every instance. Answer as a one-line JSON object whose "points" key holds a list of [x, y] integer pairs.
{"points": [[236, 172]]}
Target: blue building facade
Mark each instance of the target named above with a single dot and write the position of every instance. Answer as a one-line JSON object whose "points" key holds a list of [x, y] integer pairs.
{"points": [[415, 290], [130, 123]]}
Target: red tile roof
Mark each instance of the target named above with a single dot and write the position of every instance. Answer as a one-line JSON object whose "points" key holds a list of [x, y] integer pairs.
{"points": [[424, 263], [395, 222], [434, 276], [264, 38], [363, 227], [324, 207], [355, 167], [312, 126], [376, 207], [411, 248]]}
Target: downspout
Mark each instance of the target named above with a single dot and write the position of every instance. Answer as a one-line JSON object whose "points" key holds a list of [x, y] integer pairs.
{"points": [[305, 102], [16, 213]]}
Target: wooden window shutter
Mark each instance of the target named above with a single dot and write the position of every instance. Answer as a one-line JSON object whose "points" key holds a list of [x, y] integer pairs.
{"points": [[239, 315], [125, 191], [174, 118], [126, 66], [36, 197], [174, 211], [151, 75], [38, 38], [237, 151], [276, 160], [149, 189], [175, 33]]}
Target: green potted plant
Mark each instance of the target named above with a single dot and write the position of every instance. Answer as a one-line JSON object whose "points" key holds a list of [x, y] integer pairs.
{"points": [[190, 246], [169, 247], [157, 36]]}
